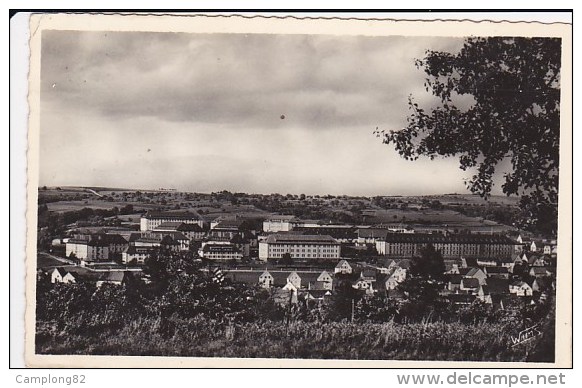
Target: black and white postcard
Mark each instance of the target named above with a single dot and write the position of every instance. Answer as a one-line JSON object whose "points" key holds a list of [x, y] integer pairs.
{"points": [[298, 192]]}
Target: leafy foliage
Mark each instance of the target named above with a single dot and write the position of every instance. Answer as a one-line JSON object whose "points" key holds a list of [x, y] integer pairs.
{"points": [[499, 101]]}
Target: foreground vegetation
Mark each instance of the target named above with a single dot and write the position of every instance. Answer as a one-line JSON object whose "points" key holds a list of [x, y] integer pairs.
{"points": [[203, 337]]}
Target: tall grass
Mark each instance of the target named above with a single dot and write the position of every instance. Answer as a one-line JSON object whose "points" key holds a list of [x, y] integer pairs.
{"points": [[311, 340]]}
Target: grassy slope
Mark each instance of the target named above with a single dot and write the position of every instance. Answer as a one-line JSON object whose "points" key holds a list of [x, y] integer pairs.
{"points": [[195, 337]]}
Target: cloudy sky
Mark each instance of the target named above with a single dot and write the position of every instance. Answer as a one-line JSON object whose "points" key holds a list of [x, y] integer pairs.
{"points": [[252, 113]]}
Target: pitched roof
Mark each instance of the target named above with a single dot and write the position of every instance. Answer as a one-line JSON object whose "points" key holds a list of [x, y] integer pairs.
{"points": [[539, 270], [224, 248], [300, 239], [372, 232], [229, 225], [498, 286], [113, 276], [132, 250], [341, 263], [496, 270], [455, 279], [246, 277], [170, 225], [61, 271], [432, 238], [470, 283], [178, 215], [404, 263]]}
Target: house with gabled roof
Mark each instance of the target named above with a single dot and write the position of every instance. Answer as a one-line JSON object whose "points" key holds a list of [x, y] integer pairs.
{"points": [[399, 274], [404, 264], [470, 285], [454, 283], [497, 286], [506, 262], [284, 296], [343, 267], [294, 279], [266, 280], [60, 275], [520, 288], [364, 285], [497, 272], [473, 272], [536, 261], [112, 277], [484, 295], [390, 283], [451, 268], [539, 272]]}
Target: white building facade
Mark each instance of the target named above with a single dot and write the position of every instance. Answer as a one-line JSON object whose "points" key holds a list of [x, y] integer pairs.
{"points": [[299, 247]]}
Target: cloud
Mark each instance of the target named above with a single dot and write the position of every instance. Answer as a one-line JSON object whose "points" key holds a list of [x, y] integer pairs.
{"points": [[248, 80], [210, 109]]}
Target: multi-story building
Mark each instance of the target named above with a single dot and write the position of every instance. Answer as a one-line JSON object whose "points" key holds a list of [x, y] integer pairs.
{"points": [[280, 224], [299, 247], [191, 231], [96, 247], [152, 220], [450, 245], [219, 251]]}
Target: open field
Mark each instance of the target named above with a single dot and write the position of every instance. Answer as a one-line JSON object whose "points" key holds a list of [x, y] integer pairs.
{"points": [[406, 210], [45, 261]]}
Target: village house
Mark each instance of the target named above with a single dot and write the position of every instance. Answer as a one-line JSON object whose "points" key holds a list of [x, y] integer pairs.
{"points": [[60, 275], [541, 285], [343, 267], [454, 283], [472, 272], [497, 286], [539, 272], [506, 262], [497, 272], [536, 261], [364, 285], [470, 285], [520, 288], [114, 277], [324, 280], [484, 295], [266, 280]]}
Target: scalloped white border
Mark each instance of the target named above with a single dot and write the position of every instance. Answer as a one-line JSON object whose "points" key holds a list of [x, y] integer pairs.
{"points": [[234, 24]]}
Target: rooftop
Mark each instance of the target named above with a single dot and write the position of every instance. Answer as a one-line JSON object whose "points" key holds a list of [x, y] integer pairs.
{"points": [[300, 239]]}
